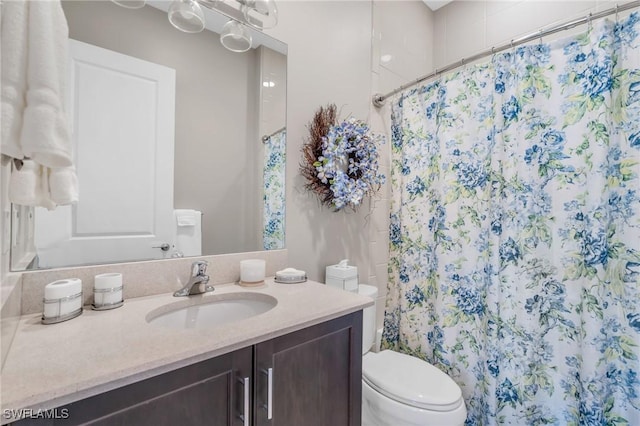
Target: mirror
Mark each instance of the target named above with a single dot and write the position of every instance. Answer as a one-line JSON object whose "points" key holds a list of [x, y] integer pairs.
{"points": [[222, 175]]}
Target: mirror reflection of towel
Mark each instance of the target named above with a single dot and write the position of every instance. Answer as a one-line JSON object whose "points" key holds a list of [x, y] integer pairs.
{"points": [[34, 123], [186, 217], [31, 184], [188, 232]]}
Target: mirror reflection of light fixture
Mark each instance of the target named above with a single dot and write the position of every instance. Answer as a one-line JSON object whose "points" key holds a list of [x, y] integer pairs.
{"points": [[187, 16], [130, 4], [235, 37], [261, 14]]}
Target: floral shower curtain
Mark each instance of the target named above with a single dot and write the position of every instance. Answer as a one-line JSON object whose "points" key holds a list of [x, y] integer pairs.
{"points": [[515, 230], [274, 191]]}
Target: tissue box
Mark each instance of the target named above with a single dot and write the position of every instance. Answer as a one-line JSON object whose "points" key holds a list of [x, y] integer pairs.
{"points": [[342, 276]]}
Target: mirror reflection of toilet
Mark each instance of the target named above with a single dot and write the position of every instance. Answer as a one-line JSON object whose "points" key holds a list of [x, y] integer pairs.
{"points": [[398, 389]]}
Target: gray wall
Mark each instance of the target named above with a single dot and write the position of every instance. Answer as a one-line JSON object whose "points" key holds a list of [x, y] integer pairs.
{"points": [[217, 141], [329, 61]]}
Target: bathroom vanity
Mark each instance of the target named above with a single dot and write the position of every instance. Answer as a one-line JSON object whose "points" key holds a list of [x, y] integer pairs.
{"points": [[298, 363]]}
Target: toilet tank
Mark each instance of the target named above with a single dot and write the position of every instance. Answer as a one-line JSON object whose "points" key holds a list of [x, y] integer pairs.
{"points": [[368, 317]]}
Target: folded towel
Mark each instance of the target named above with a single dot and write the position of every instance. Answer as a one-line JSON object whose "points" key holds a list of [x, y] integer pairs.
{"points": [[188, 232], [15, 15], [29, 186], [186, 217], [45, 135], [63, 186], [34, 123]]}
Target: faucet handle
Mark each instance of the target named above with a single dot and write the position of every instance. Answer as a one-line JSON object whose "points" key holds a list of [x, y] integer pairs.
{"points": [[199, 267]]}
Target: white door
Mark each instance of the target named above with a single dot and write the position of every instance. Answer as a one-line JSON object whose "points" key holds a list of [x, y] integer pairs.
{"points": [[122, 116]]}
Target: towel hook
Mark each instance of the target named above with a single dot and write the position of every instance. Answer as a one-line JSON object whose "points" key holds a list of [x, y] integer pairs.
{"points": [[18, 163]]}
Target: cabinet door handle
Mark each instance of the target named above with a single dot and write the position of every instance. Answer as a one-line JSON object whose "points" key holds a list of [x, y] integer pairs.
{"points": [[246, 413], [269, 405], [269, 393]]}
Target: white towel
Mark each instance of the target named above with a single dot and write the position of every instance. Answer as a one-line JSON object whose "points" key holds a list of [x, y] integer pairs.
{"points": [[188, 232], [29, 186], [45, 133], [63, 186], [15, 16], [34, 122], [186, 217]]}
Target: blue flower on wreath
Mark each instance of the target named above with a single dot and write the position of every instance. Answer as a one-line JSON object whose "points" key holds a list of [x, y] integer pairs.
{"points": [[349, 163]]}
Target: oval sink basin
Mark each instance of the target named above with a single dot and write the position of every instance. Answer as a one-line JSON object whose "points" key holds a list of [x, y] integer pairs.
{"points": [[213, 311]]}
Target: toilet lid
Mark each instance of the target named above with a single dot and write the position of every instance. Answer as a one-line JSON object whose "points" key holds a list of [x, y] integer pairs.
{"points": [[411, 381]]}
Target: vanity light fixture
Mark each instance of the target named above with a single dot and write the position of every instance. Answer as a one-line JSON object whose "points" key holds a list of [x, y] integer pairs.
{"points": [[187, 16]]}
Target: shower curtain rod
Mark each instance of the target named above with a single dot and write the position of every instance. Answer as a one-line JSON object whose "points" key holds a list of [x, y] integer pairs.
{"points": [[265, 138], [379, 99]]}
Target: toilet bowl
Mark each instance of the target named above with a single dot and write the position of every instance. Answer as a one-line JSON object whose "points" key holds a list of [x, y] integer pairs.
{"points": [[398, 389]]}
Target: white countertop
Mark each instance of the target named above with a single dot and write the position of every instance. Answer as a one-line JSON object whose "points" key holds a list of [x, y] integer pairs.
{"points": [[51, 365]]}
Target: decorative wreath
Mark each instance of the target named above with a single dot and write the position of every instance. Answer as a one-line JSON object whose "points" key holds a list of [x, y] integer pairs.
{"points": [[340, 160]]}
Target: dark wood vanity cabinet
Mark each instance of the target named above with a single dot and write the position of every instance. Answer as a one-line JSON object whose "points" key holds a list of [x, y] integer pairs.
{"points": [[205, 393], [316, 376], [310, 377]]}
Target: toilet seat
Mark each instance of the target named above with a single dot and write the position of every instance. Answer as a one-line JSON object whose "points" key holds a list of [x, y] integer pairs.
{"points": [[411, 381]]}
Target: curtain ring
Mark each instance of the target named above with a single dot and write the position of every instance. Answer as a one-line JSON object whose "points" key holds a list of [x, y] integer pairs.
{"points": [[541, 32], [617, 19], [590, 22]]}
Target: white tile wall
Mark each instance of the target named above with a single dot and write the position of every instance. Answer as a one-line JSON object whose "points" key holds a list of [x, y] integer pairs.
{"points": [[464, 28], [402, 49]]}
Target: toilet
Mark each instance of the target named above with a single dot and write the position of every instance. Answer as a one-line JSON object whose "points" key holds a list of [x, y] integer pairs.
{"points": [[398, 389]]}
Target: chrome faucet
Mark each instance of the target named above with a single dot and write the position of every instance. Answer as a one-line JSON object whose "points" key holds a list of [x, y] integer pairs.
{"points": [[198, 282]]}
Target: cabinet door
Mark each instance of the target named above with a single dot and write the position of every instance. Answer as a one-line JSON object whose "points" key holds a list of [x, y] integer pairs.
{"points": [[316, 376], [209, 393]]}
